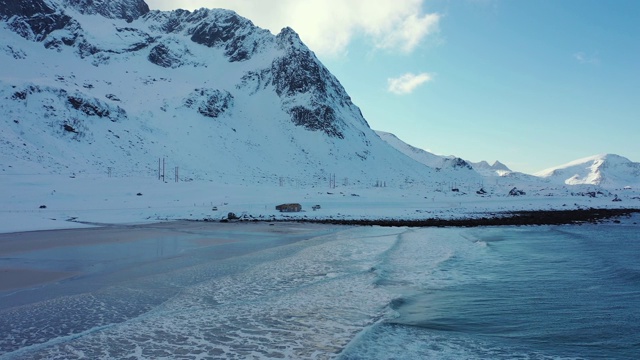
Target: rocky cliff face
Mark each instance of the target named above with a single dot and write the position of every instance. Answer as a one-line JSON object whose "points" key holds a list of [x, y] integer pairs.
{"points": [[128, 10]]}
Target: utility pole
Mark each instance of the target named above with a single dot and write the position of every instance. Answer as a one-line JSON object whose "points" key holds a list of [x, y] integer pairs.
{"points": [[332, 181]]}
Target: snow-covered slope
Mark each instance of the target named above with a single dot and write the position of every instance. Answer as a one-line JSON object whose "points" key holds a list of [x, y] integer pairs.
{"points": [[441, 162], [606, 170], [423, 156], [111, 87]]}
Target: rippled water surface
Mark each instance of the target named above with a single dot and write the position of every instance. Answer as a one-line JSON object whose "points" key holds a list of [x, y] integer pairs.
{"points": [[243, 291]]}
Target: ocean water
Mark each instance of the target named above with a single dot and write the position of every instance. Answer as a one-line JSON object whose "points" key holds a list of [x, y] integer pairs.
{"points": [[549, 292]]}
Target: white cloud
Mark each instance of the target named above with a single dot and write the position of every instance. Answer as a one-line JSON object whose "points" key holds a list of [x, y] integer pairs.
{"points": [[408, 82], [328, 26], [586, 59]]}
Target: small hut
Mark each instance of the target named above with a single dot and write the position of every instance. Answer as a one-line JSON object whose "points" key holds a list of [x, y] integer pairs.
{"points": [[289, 207]]}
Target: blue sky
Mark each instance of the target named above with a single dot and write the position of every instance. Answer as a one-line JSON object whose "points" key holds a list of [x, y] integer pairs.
{"points": [[533, 84]]}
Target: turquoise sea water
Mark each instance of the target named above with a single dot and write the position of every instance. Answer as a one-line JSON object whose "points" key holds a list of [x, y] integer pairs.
{"points": [[549, 292], [529, 293]]}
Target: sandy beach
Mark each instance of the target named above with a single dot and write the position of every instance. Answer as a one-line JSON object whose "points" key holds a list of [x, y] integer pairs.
{"points": [[30, 260], [12, 279]]}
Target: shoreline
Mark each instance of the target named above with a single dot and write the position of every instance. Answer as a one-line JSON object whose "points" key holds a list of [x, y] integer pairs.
{"points": [[497, 218], [511, 218]]}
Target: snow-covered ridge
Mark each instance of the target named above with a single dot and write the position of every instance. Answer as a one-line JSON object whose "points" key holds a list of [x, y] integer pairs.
{"points": [[441, 162], [607, 170], [437, 162]]}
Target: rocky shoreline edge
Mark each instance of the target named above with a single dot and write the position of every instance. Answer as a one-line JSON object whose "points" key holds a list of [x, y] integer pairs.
{"points": [[512, 218]]}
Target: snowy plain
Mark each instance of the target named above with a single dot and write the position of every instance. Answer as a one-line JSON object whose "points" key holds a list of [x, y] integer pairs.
{"points": [[44, 202]]}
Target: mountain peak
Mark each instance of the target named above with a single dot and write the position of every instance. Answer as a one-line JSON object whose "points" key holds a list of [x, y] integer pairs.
{"points": [[609, 170], [288, 37], [497, 165]]}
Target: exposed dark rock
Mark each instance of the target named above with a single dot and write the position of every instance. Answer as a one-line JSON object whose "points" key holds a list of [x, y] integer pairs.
{"points": [[15, 53], [128, 10], [516, 192], [39, 26], [161, 55], [535, 217], [19, 95], [25, 8], [458, 163], [93, 107], [226, 30], [69, 128], [210, 102], [298, 71], [322, 118], [87, 107], [256, 80], [85, 49]]}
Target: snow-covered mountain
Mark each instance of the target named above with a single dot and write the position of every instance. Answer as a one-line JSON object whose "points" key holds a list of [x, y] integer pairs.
{"points": [[110, 86], [444, 163], [423, 156], [606, 170], [497, 168]]}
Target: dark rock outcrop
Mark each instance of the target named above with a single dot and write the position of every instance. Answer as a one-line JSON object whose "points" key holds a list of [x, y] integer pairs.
{"points": [[223, 29], [32, 19], [162, 55], [128, 10], [210, 102]]}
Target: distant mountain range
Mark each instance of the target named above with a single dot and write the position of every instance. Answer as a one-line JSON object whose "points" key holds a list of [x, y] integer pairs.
{"points": [[111, 87], [605, 170]]}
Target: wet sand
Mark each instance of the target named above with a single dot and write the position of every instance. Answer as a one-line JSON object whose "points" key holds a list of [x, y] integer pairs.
{"points": [[39, 240], [13, 279], [34, 259]]}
